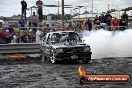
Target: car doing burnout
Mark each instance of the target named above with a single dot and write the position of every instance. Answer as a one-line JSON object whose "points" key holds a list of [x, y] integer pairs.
{"points": [[65, 45]]}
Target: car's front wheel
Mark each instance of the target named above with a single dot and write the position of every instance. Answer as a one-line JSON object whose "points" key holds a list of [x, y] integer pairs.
{"points": [[53, 60], [86, 60], [43, 56]]}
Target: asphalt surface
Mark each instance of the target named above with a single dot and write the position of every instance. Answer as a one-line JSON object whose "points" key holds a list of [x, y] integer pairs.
{"points": [[32, 73]]}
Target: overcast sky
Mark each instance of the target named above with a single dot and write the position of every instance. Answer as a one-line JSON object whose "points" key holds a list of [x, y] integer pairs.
{"points": [[11, 7]]}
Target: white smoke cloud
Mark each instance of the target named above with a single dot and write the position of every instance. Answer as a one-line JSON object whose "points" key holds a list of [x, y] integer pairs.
{"points": [[109, 44]]}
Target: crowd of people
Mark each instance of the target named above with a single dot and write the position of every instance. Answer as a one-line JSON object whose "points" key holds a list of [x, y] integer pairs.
{"points": [[30, 35], [9, 35], [105, 21]]}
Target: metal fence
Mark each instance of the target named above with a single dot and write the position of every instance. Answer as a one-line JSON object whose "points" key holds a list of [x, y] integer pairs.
{"points": [[20, 48]]}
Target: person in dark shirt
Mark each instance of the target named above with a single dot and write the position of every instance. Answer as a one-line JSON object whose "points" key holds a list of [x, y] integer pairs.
{"points": [[95, 19], [39, 3], [25, 38], [108, 20], [96, 22], [123, 23], [108, 15], [88, 24], [125, 17], [22, 23], [24, 7], [9, 37], [102, 18]]}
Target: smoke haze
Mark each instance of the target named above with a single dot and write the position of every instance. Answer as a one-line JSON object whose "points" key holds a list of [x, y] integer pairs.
{"points": [[109, 44]]}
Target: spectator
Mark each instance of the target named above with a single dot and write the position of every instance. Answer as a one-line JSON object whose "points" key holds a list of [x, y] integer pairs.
{"points": [[115, 24], [123, 23], [31, 35], [11, 30], [15, 37], [34, 21], [69, 28], [24, 8], [22, 24], [5, 24], [108, 15], [39, 35], [102, 20], [96, 18], [39, 3], [96, 22], [108, 20], [73, 25], [1, 37], [77, 26], [83, 25], [48, 28], [125, 17], [25, 37], [89, 24], [9, 36], [80, 28]]}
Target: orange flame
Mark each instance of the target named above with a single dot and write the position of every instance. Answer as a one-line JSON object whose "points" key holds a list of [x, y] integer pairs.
{"points": [[81, 71]]}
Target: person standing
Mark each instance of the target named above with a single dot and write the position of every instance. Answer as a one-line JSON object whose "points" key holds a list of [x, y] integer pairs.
{"points": [[5, 24], [88, 24], [34, 21], [39, 3], [125, 17], [102, 20], [24, 8], [123, 24], [108, 17], [25, 38], [21, 24], [115, 24], [39, 34]]}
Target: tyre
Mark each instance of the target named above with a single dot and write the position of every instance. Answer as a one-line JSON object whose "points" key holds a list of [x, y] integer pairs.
{"points": [[86, 60], [43, 56], [82, 80], [53, 60]]}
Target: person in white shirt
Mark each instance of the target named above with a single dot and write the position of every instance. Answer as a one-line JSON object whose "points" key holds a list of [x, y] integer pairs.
{"points": [[39, 35], [5, 24]]}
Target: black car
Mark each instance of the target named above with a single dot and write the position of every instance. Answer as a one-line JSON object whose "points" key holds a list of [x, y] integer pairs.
{"points": [[65, 45]]}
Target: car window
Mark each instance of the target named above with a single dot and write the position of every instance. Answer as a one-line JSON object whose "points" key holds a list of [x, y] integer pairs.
{"points": [[55, 38], [64, 37], [48, 39], [44, 39]]}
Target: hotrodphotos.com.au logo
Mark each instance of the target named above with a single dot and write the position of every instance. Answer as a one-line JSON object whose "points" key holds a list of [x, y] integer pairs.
{"points": [[85, 78]]}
